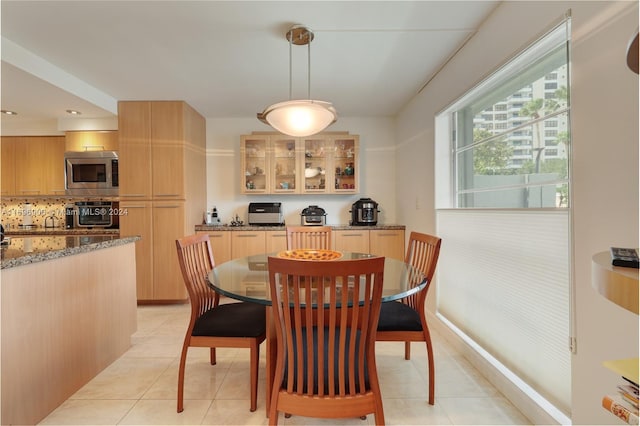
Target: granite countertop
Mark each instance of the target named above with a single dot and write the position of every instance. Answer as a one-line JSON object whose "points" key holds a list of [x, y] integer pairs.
{"points": [[32, 249], [41, 230], [283, 227]]}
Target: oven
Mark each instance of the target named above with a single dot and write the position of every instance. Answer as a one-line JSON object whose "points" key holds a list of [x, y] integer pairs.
{"points": [[92, 214]]}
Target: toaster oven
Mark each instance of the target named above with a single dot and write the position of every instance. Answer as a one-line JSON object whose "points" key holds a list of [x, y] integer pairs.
{"points": [[266, 214]]}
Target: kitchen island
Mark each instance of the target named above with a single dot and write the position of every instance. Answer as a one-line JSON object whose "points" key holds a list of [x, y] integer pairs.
{"points": [[68, 311]]}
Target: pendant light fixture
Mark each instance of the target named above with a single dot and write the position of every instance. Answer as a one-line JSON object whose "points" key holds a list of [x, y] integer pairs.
{"points": [[299, 117]]}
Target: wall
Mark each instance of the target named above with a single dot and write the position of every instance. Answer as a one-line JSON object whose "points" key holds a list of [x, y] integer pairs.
{"points": [[604, 165], [377, 168]]}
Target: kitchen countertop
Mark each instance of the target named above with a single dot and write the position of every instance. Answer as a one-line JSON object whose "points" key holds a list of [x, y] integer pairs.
{"points": [[283, 227], [32, 249], [41, 230]]}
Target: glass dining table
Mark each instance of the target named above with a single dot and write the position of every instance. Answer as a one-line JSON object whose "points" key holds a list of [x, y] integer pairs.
{"points": [[247, 279]]}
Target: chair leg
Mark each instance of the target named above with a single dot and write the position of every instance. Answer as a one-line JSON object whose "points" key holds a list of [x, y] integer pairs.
{"points": [[255, 357], [407, 350], [212, 356], [427, 338], [183, 361]]}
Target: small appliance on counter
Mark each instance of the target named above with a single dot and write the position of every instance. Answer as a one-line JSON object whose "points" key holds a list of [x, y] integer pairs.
{"points": [[364, 212], [211, 218], [313, 215], [266, 214]]}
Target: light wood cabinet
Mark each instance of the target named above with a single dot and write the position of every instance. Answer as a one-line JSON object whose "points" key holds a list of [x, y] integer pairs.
{"points": [[33, 165], [53, 167], [272, 163], [351, 240], [387, 242], [168, 225], [276, 241], [220, 245], [7, 160], [106, 140], [137, 219], [381, 242], [162, 165], [247, 243]]}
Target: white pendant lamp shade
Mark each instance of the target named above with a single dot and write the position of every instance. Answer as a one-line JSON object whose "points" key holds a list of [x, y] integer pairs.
{"points": [[299, 118]]}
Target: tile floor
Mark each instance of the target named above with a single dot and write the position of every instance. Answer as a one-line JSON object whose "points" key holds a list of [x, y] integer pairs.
{"points": [[140, 387]]}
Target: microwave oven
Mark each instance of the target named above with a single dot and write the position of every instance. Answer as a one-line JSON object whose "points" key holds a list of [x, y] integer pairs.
{"points": [[93, 214], [91, 173]]}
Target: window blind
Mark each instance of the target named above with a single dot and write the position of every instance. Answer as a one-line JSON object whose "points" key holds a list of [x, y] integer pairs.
{"points": [[503, 280]]}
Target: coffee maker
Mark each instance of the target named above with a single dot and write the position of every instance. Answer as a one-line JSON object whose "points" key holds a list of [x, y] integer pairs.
{"points": [[364, 212]]}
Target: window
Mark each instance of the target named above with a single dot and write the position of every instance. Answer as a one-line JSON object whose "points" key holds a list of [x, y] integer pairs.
{"points": [[503, 203]]}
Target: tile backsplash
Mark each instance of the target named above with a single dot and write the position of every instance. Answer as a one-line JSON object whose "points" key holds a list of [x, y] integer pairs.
{"points": [[15, 210]]}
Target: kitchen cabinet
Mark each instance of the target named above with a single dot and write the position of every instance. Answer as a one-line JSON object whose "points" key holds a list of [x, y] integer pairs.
{"points": [[356, 240], [162, 165], [137, 220], [247, 243], [276, 241], [104, 140], [7, 160], [326, 163], [381, 242], [220, 245], [33, 165], [387, 242]]}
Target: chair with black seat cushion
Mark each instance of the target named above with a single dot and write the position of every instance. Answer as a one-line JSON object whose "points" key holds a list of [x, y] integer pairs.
{"points": [[405, 320], [325, 364], [212, 325], [309, 237]]}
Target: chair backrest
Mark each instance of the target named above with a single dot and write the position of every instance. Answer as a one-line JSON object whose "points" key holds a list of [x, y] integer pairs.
{"points": [[309, 237], [333, 343], [423, 251], [196, 261]]}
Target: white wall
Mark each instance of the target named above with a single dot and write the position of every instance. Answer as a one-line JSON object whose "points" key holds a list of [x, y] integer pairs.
{"points": [[377, 168], [605, 162]]}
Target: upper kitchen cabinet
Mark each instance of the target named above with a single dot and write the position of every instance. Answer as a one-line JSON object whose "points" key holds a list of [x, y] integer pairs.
{"points": [[103, 140], [272, 163], [161, 144], [32, 165]]}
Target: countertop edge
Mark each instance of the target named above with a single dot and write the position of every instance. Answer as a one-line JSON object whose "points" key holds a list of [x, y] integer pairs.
{"points": [[56, 254], [284, 227]]}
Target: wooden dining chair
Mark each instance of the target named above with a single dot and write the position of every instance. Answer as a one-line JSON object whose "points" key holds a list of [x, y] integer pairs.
{"points": [[405, 320], [325, 364], [309, 237], [214, 325]]}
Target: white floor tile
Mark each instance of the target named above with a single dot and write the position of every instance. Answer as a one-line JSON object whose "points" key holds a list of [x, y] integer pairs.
{"points": [[140, 387]]}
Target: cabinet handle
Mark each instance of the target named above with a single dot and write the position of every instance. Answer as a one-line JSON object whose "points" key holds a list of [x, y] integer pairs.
{"points": [[166, 195], [133, 207], [166, 207], [388, 235], [352, 235], [243, 235], [30, 191], [215, 236], [131, 195]]}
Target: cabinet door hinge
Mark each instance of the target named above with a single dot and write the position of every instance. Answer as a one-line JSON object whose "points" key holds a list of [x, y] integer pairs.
{"points": [[573, 344]]}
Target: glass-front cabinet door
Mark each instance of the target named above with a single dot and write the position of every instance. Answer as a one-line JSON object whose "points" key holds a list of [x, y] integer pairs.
{"points": [[284, 164], [345, 164], [273, 163], [254, 164], [315, 161]]}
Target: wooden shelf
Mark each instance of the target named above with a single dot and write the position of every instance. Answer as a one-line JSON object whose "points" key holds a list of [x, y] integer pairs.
{"points": [[616, 283]]}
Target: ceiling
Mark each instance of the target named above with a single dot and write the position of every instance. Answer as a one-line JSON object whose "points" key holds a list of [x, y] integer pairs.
{"points": [[225, 58]]}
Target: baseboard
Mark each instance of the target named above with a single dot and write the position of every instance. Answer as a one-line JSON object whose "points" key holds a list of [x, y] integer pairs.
{"points": [[530, 403]]}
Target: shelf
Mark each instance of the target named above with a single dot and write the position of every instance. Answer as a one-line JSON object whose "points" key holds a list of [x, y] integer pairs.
{"points": [[616, 283]]}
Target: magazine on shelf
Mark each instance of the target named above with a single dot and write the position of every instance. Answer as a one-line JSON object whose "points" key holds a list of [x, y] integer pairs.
{"points": [[627, 257], [621, 411]]}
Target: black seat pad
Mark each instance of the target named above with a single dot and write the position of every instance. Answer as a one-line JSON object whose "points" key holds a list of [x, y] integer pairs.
{"points": [[232, 320], [395, 316]]}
